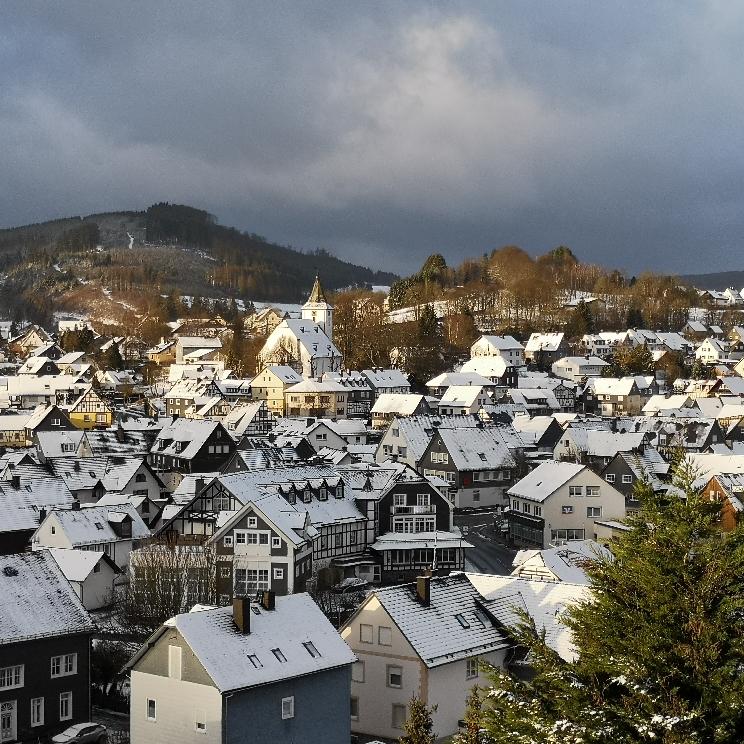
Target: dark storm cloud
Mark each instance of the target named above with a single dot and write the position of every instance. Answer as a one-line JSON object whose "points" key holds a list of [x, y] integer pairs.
{"points": [[386, 131]]}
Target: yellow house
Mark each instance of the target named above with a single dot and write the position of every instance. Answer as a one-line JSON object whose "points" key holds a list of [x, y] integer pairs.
{"points": [[90, 411]]}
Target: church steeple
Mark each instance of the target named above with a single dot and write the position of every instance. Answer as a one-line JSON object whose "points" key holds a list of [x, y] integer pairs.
{"points": [[316, 293], [318, 309]]}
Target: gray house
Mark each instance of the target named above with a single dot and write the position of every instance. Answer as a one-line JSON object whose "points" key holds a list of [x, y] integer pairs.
{"points": [[273, 672]]}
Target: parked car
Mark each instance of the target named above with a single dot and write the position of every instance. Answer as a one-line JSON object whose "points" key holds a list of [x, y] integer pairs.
{"points": [[82, 733]]}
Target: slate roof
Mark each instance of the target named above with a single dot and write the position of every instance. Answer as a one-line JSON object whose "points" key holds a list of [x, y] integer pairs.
{"points": [[38, 602], [435, 632], [81, 526], [20, 507], [184, 437], [477, 449]]}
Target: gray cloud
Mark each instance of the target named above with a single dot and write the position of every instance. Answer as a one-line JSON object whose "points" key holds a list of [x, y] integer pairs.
{"points": [[387, 131]]}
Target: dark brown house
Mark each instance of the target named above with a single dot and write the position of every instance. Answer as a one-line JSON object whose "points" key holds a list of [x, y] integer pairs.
{"points": [[45, 637]]}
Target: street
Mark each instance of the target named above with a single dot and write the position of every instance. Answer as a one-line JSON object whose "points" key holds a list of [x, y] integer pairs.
{"points": [[488, 554]]}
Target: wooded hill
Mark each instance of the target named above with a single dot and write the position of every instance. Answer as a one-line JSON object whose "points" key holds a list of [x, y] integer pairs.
{"points": [[65, 263]]}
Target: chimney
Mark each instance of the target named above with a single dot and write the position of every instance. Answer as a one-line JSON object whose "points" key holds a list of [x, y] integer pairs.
{"points": [[423, 589], [268, 600], [15, 481], [42, 515], [75, 505], [242, 614]]}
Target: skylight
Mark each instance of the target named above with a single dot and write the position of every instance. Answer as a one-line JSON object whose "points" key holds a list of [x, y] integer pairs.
{"points": [[255, 661], [461, 619], [279, 655], [310, 648]]}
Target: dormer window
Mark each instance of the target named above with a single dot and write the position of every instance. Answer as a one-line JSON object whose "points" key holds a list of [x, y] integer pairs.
{"points": [[307, 495]]}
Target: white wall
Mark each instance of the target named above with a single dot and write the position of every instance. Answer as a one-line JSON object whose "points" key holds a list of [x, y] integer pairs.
{"points": [[177, 705]]}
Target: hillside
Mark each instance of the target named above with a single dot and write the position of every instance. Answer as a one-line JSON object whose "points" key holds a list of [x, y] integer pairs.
{"points": [[720, 280], [118, 263]]}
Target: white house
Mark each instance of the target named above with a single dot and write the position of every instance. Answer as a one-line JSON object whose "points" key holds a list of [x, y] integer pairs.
{"points": [[506, 347], [560, 501], [461, 400], [578, 368], [91, 574]]}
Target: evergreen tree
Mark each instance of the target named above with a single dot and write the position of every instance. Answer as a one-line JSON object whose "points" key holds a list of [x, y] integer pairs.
{"points": [[112, 358], [473, 732], [418, 726], [659, 648]]}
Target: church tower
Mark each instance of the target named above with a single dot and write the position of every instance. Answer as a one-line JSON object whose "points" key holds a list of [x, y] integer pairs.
{"points": [[318, 309]]}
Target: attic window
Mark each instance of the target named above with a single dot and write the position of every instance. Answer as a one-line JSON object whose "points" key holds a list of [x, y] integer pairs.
{"points": [[310, 648], [91, 473], [461, 619], [482, 456], [255, 661], [279, 655], [99, 526]]}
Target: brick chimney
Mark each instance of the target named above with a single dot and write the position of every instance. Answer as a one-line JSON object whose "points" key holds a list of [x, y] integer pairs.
{"points": [[423, 590], [242, 614]]}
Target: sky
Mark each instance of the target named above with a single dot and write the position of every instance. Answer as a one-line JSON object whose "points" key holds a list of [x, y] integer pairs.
{"points": [[386, 131]]}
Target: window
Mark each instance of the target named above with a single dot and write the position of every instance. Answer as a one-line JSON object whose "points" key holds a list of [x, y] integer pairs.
{"points": [[515, 505], [525, 507], [227, 541], [151, 710], [471, 667], [240, 537], [461, 619], [252, 522], [37, 711], [200, 724], [567, 509], [276, 542], [65, 706], [287, 708], [385, 636], [357, 671], [365, 633], [627, 479], [575, 490], [338, 540], [278, 573], [263, 538], [56, 422], [174, 662], [399, 716], [593, 511], [248, 581], [537, 510], [399, 499], [394, 676], [592, 490], [255, 661], [354, 708], [63, 666], [610, 477], [225, 572], [11, 677], [140, 478], [476, 495], [561, 535], [310, 648]]}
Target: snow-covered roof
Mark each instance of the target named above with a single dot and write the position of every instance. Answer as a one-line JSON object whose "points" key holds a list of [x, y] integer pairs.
{"points": [[478, 449], [545, 602], [317, 386], [463, 395], [502, 343], [385, 378], [409, 540], [603, 442], [545, 480], [199, 342], [492, 366], [184, 437], [20, 507], [91, 525], [460, 379], [285, 374], [611, 385], [403, 404], [76, 564], [561, 563], [550, 342], [452, 626], [237, 661], [38, 601]]}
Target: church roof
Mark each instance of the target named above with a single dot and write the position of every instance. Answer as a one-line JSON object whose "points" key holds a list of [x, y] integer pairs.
{"points": [[317, 294]]}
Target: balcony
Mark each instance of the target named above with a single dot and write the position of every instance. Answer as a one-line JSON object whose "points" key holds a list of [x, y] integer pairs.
{"points": [[428, 509]]}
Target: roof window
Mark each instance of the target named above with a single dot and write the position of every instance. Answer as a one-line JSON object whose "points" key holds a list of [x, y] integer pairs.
{"points": [[461, 619]]}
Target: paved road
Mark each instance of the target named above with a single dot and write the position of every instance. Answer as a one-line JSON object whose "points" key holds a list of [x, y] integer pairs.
{"points": [[489, 554], [116, 723]]}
